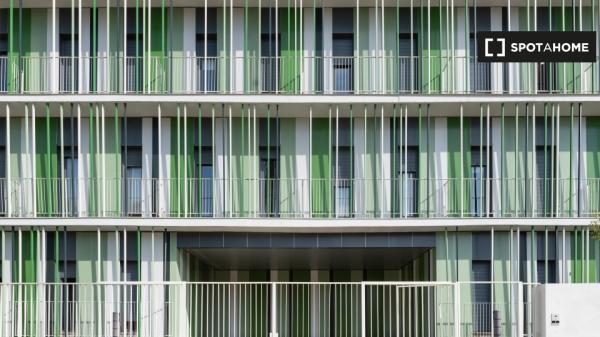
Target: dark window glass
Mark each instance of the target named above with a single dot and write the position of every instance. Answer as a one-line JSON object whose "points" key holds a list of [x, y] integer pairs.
{"points": [[481, 292]]}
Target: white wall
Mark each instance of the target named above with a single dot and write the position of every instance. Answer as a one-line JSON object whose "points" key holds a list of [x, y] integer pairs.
{"points": [[577, 307]]}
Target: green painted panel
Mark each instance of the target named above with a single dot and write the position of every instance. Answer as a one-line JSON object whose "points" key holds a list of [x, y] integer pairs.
{"points": [[290, 49], [455, 163], [372, 188], [288, 190], [321, 168], [46, 165], [363, 76], [86, 249], [182, 163], [243, 165], [223, 48], [252, 40], [430, 46]]}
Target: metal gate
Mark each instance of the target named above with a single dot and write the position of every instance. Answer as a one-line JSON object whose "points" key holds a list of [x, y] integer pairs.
{"points": [[266, 309]]}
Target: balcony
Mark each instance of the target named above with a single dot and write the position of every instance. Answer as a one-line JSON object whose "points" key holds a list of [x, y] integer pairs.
{"points": [[300, 198], [286, 309], [364, 75]]}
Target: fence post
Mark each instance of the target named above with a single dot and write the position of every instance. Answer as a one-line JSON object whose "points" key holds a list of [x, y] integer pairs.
{"points": [[363, 311], [520, 304], [273, 332], [456, 309]]}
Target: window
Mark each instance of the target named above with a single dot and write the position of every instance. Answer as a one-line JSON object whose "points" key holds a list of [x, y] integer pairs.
{"points": [[477, 189], [547, 80], [129, 272], [134, 60], [479, 72], [408, 66], [342, 168], [406, 169], [65, 260], [269, 167], [270, 44], [69, 174], [132, 166], [343, 49], [206, 49], [545, 169], [409, 181], [3, 49], [479, 181], [481, 274], [482, 295], [408, 45], [68, 49], [545, 254], [202, 200]]}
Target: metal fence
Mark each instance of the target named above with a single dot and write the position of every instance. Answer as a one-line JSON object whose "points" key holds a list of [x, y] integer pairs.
{"points": [[289, 75], [300, 198], [259, 309]]}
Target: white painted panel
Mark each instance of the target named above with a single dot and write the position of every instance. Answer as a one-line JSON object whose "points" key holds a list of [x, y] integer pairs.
{"points": [[440, 164], [309, 51], [165, 167], [189, 46], [8, 260], [359, 160], [84, 163], [238, 50], [220, 170], [585, 185], [302, 163], [496, 68], [24, 202], [84, 59], [460, 82], [386, 169], [147, 182], [514, 73], [496, 140]]}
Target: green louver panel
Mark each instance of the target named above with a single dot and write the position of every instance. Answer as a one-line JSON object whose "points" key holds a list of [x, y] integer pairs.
{"points": [[158, 68], [46, 166], [252, 40], [179, 68], [321, 168], [289, 28], [182, 154], [456, 187], [363, 71], [371, 184], [242, 167], [223, 48], [429, 46], [288, 189]]}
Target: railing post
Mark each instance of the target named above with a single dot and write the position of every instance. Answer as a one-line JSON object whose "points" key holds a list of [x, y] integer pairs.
{"points": [[273, 332], [456, 309], [363, 311], [520, 304]]}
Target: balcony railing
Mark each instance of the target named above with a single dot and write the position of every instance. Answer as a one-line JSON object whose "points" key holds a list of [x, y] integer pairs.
{"points": [[300, 198], [291, 75], [286, 309]]}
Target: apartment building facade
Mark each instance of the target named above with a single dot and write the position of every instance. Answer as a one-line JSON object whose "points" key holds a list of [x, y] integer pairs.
{"points": [[294, 168]]}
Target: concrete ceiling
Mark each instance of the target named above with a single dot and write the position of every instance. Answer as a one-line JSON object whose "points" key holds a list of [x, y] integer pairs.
{"points": [[306, 258]]}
